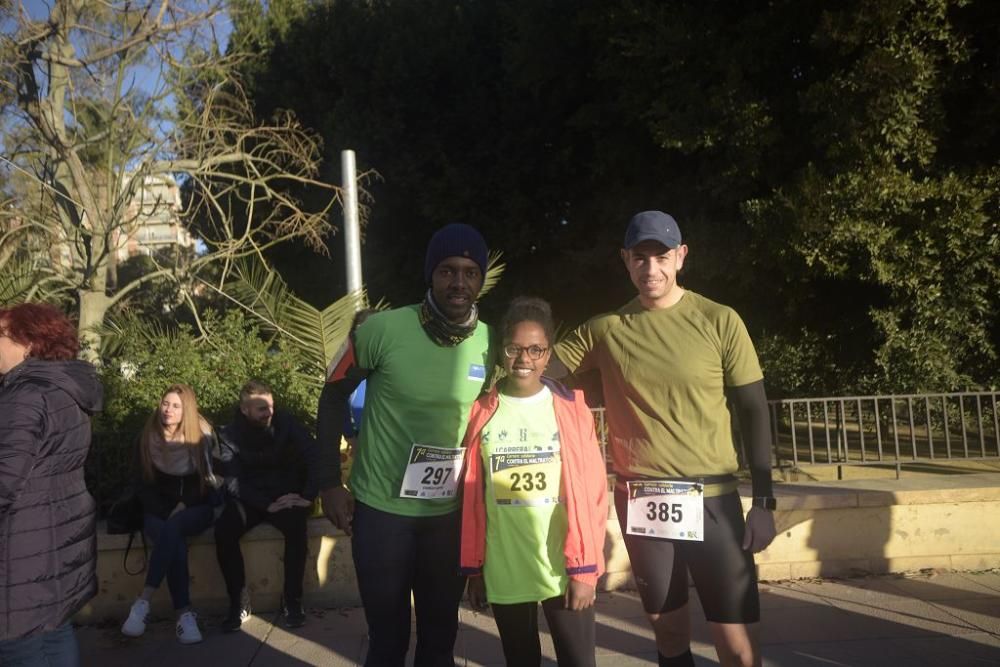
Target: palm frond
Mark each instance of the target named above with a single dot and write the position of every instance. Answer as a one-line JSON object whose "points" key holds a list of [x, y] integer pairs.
{"points": [[28, 279], [118, 329], [15, 283], [494, 271], [317, 334]]}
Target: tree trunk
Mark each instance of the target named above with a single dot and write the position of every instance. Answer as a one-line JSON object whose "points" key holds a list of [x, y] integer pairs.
{"points": [[94, 306]]}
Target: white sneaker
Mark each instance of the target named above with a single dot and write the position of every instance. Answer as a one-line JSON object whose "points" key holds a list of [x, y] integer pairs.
{"points": [[135, 624], [187, 628]]}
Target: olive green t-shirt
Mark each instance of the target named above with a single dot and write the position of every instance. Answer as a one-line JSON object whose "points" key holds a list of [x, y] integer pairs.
{"points": [[418, 392], [663, 373]]}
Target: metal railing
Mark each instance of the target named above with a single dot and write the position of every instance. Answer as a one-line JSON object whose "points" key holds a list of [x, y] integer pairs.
{"points": [[834, 431], [871, 430], [876, 430]]}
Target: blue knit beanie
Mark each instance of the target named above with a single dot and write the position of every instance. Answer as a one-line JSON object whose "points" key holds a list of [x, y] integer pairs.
{"points": [[455, 240]]}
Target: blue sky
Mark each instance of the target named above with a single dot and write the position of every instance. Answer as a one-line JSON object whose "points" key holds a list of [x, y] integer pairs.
{"points": [[147, 78], [38, 9]]}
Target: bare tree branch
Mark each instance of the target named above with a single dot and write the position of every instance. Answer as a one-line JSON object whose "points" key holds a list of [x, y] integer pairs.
{"points": [[92, 135]]}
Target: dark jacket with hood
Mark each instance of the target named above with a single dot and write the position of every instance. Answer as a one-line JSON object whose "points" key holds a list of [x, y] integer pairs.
{"points": [[48, 541], [262, 464]]}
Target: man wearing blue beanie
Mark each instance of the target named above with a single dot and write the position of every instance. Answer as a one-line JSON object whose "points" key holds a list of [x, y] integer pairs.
{"points": [[425, 365]]}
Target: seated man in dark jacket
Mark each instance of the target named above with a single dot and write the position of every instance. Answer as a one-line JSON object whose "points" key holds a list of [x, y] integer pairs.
{"points": [[269, 462]]}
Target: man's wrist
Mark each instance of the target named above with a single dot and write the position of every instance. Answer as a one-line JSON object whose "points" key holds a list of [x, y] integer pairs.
{"points": [[765, 502]]}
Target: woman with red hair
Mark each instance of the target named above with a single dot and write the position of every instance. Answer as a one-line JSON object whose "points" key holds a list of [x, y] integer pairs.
{"points": [[48, 553]]}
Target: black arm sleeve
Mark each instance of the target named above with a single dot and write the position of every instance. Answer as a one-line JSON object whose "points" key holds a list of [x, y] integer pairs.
{"points": [[309, 452], [750, 403], [330, 419]]}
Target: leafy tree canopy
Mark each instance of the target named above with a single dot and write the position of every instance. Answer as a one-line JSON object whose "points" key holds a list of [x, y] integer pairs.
{"points": [[833, 167]]}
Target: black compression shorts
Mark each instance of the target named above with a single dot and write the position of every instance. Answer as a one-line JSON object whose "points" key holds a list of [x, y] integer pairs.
{"points": [[722, 571]]}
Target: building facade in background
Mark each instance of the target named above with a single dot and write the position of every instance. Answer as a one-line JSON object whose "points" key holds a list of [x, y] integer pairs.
{"points": [[154, 223]]}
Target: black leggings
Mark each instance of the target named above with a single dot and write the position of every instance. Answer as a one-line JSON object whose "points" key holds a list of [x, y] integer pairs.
{"points": [[572, 633], [394, 555], [722, 571], [230, 527]]}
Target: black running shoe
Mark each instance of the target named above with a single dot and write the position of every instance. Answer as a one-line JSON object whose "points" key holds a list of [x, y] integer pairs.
{"points": [[295, 616], [238, 613]]}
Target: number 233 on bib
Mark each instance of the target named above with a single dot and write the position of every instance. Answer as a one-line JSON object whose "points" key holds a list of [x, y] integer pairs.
{"points": [[525, 478]]}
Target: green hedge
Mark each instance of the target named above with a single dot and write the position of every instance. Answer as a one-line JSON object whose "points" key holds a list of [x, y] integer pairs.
{"points": [[145, 362]]}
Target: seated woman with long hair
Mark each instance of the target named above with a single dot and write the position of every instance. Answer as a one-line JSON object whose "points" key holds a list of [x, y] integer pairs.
{"points": [[175, 483]]}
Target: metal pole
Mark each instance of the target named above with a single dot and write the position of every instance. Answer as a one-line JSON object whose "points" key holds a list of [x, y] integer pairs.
{"points": [[352, 231]]}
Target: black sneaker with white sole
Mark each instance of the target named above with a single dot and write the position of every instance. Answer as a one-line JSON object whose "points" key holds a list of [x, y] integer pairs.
{"points": [[238, 612], [295, 615]]}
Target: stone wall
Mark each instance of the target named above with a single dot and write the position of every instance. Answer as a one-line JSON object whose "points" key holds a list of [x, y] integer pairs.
{"points": [[834, 529]]}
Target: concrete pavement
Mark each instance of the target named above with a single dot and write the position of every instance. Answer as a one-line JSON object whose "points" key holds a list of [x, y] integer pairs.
{"points": [[927, 619]]}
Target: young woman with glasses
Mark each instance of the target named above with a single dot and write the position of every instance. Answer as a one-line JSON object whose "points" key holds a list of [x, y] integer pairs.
{"points": [[535, 500]]}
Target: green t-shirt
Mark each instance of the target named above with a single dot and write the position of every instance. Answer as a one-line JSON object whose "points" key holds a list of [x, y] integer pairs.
{"points": [[525, 522], [663, 373], [417, 393]]}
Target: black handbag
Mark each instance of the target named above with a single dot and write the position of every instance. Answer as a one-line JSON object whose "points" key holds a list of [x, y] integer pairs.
{"points": [[125, 518], [125, 515]]}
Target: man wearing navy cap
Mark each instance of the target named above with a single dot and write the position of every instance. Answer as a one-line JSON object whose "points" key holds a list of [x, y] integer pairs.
{"points": [[425, 365], [668, 361]]}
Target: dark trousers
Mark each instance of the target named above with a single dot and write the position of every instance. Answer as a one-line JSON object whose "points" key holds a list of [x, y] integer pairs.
{"points": [[170, 556], [57, 648], [572, 633], [394, 555], [230, 527]]}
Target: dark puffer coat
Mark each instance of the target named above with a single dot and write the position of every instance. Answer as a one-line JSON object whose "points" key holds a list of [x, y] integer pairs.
{"points": [[48, 542], [262, 464]]}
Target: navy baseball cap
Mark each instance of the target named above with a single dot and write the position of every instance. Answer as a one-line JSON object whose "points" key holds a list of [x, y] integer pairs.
{"points": [[652, 226]]}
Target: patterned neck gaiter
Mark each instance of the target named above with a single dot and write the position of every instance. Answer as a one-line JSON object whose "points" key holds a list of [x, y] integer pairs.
{"points": [[440, 329]]}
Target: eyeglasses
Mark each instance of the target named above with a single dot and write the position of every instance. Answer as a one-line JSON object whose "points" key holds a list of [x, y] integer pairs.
{"points": [[535, 352]]}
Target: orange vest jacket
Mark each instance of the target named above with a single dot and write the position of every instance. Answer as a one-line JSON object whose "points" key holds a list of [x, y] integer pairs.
{"points": [[584, 484]]}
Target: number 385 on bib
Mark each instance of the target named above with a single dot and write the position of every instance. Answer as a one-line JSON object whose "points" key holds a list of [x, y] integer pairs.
{"points": [[666, 509]]}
